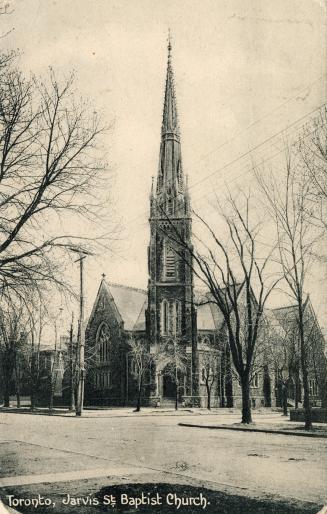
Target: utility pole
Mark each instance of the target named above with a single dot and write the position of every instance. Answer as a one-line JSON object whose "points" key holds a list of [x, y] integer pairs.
{"points": [[81, 342], [54, 369], [81, 336], [72, 354]]}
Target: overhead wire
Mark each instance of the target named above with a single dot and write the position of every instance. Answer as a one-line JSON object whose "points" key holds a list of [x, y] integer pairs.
{"points": [[240, 157]]}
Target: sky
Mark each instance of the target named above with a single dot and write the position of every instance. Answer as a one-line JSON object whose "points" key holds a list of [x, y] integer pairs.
{"points": [[247, 73]]}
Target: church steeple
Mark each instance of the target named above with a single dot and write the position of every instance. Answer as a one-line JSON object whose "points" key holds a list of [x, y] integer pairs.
{"points": [[170, 288], [170, 198], [170, 119]]}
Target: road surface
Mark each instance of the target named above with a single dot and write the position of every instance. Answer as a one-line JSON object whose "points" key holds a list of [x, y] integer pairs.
{"points": [[70, 448]]}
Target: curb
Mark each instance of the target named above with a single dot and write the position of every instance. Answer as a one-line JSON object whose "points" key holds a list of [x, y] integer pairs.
{"points": [[88, 414], [261, 430]]}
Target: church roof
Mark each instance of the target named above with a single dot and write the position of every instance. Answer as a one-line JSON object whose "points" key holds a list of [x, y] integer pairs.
{"points": [[205, 318], [288, 316], [131, 304]]}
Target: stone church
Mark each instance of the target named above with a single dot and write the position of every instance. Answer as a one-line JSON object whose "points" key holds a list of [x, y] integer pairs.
{"points": [[167, 308]]}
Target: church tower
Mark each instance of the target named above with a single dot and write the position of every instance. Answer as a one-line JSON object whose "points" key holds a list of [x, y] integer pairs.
{"points": [[170, 288]]}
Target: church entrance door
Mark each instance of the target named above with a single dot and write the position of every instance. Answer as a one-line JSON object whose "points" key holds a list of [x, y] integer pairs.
{"points": [[168, 387]]}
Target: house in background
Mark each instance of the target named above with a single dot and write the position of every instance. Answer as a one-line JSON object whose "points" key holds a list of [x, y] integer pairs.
{"points": [[315, 352]]}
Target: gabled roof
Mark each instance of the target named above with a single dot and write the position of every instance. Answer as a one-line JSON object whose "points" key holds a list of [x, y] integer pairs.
{"points": [[274, 322], [140, 322], [205, 319], [209, 316], [129, 302], [288, 315]]}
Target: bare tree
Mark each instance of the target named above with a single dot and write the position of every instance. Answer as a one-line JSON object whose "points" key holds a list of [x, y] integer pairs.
{"points": [[38, 319], [313, 151], [12, 332], [288, 200], [49, 172], [172, 353], [141, 363], [232, 269], [262, 362], [210, 372]]}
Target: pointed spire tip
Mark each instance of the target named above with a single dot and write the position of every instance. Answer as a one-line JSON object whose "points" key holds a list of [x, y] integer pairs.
{"points": [[169, 43]]}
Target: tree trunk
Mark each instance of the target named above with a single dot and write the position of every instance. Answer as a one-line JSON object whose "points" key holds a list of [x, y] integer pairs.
{"points": [[33, 390], [324, 395], [222, 381], [306, 392], [32, 378], [267, 387], [285, 398], [52, 385], [138, 406], [246, 404], [306, 400], [72, 398], [176, 396], [51, 400], [297, 384], [229, 382], [6, 396], [8, 367], [17, 380], [208, 397]]}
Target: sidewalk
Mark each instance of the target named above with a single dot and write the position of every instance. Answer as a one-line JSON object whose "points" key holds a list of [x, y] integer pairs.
{"points": [[265, 424], [114, 412], [118, 412], [130, 411], [264, 420]]}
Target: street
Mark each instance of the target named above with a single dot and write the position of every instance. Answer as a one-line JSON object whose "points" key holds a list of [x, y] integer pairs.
{"points": [[154, 448]]}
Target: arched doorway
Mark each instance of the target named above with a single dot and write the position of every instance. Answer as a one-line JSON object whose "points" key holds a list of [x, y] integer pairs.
{"points": [[168, 386]]}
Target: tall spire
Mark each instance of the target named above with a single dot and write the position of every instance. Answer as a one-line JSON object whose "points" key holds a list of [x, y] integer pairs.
{"points": [[169, 118], [170, 181]]}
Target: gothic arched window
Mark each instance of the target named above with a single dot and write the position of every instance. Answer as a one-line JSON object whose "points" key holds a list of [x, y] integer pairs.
{"points": [[169, 262], [164, 317], [103, 342], [178, 317], [170, 207]]}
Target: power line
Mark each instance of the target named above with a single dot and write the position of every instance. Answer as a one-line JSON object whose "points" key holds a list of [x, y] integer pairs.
{"points": [[245, 171], [242, 156], [248, 152], [238, 133]]}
